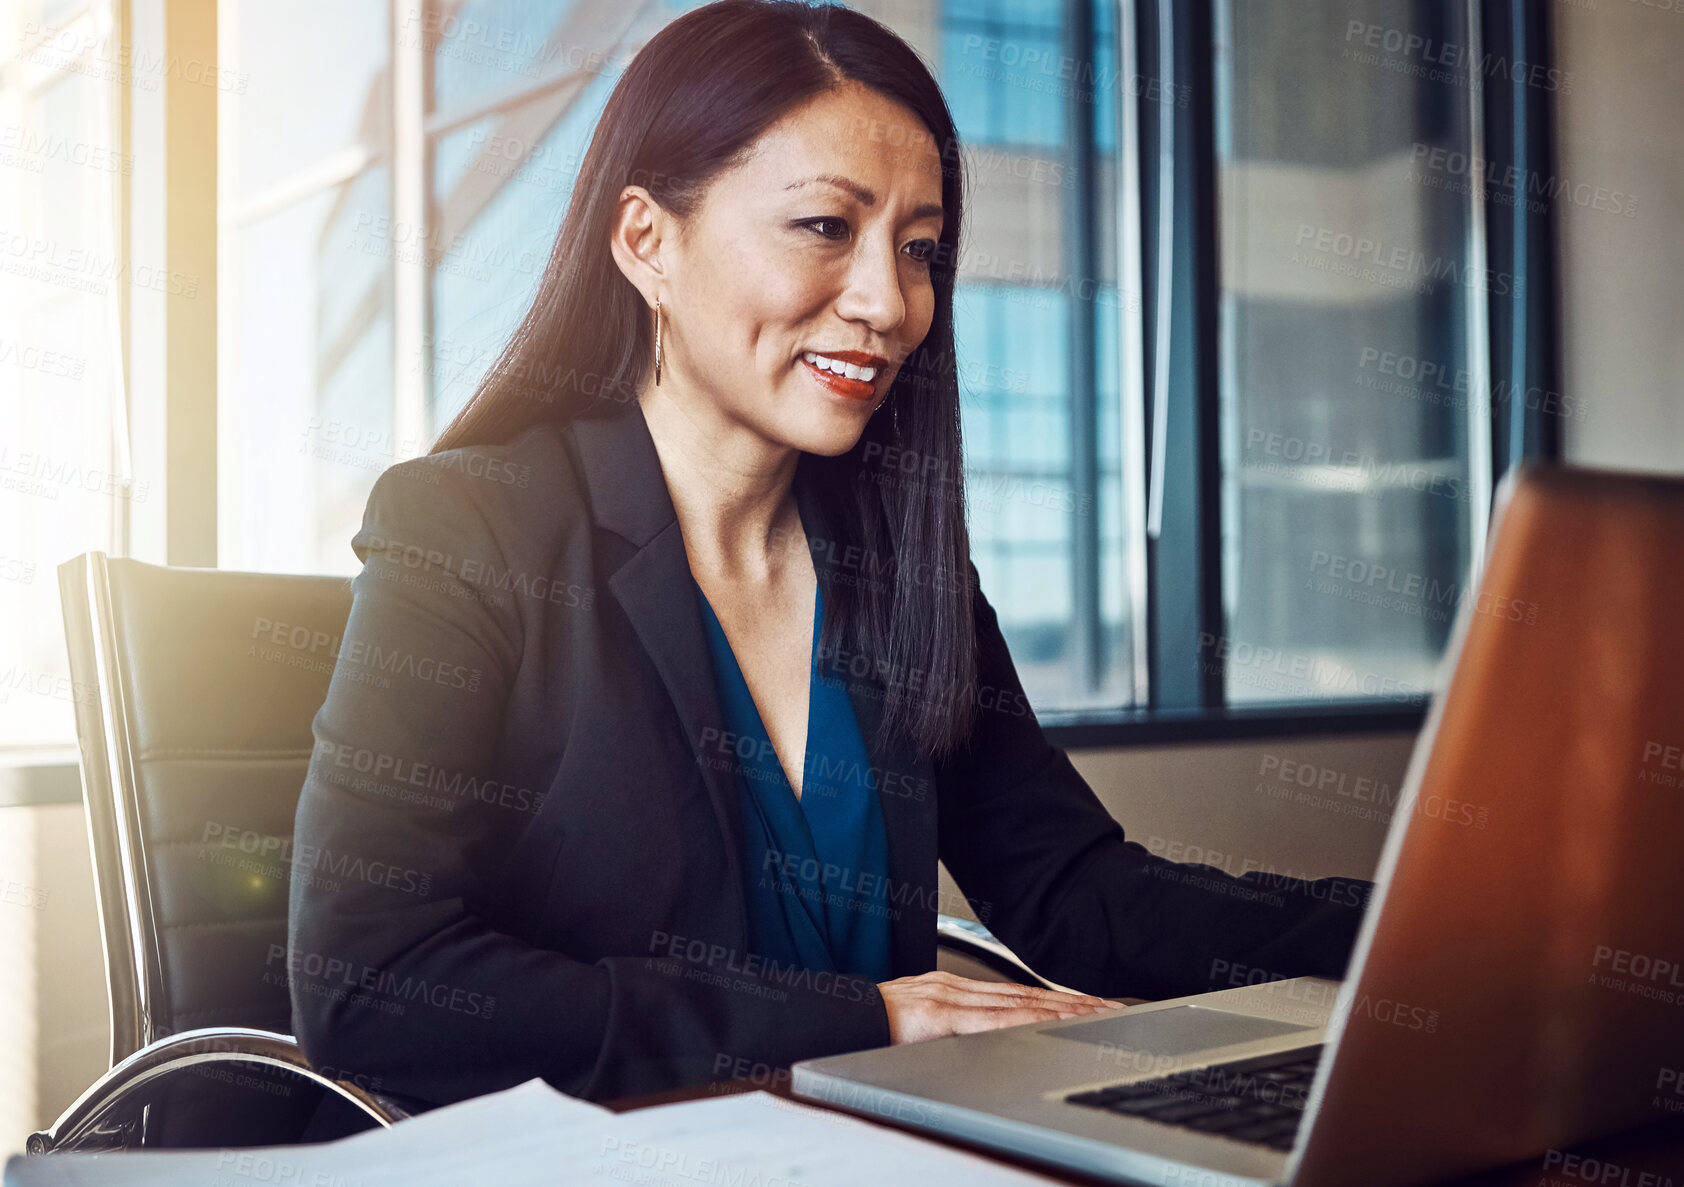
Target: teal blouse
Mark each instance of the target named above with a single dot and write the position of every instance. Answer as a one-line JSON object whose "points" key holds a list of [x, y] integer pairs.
{"points": [[815, 869]]}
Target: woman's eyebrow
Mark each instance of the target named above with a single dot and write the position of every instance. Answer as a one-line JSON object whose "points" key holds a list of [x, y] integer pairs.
{"points": [[865, 196]]}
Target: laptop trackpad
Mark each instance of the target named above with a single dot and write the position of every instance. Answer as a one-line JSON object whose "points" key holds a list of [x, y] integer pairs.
{"points": [[1175, 1031]]}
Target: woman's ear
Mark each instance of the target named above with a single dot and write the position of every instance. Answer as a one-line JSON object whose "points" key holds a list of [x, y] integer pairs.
{"points": [[635, 237]]}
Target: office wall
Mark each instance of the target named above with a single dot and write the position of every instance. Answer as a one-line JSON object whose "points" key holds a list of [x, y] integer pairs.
{"points": [[1619, 128], [1309, 807]]}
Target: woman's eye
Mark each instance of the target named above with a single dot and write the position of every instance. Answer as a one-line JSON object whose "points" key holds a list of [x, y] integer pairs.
{"points": [[922, 249], [816, 223]]}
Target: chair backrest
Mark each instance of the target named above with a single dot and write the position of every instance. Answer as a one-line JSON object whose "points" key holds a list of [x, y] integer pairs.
{"points": [[195, 690]]}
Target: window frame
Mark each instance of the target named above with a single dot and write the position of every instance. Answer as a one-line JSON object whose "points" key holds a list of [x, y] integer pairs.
{"points": [[1173, 46]]}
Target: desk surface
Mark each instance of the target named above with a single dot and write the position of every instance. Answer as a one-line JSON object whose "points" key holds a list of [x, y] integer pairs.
{"points": [[1657, 1150]]}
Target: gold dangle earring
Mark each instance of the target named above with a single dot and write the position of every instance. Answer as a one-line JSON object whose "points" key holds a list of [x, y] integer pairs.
{"points": [[657, 342]]}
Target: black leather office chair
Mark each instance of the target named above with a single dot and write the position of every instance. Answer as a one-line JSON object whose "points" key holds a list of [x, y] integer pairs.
{"points": [[194, 729], [194, 693]]}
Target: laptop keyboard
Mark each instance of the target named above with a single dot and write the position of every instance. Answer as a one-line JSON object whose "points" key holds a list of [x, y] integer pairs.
{"points": [[1257, 1100]]}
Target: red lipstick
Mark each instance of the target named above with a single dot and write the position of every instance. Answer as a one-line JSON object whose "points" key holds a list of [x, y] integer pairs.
{"points": [[853, 389]]}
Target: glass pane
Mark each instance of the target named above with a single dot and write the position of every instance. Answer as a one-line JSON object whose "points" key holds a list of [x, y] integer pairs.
{"points": [[313, 78], [312, 377], [1347, 368], [63, 487], [500, 188], [484, 49], [500, 183], [1025, 309]]}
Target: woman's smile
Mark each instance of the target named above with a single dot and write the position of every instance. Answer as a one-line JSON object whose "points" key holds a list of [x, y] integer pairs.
{"points": [[848, 373]]}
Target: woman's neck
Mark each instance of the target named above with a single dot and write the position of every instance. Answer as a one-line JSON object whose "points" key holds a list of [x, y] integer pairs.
{"points": [[731, 488]]}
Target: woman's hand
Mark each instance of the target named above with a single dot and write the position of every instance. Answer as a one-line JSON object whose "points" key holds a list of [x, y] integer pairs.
{"points": [[933, 1005]]}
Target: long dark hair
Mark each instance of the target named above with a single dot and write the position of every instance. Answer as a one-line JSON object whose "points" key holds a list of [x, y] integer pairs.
{"points": [[688, 106]]}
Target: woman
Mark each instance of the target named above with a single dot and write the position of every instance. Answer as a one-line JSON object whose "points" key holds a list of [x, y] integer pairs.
{"points": [[695, 681]]}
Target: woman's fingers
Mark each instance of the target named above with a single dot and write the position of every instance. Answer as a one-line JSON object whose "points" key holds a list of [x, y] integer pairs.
{"points": [[1007, 987], [1032, 993], [1000, 1001], [975, 1021], [930, 1005]]}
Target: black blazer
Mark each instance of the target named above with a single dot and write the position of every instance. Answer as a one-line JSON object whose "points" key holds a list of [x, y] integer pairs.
{"points": [[517, 850]]}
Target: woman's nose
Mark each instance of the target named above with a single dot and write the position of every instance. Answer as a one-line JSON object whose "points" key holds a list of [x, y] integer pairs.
{"points": [[873, 294]]}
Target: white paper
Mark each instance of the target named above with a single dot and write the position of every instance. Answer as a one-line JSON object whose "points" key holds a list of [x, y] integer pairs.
{"points": [[532, 1134]]}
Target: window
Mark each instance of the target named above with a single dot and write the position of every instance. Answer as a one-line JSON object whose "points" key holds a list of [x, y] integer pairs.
{"points": [[1327, 417], [66, 480], [510, 95], [1240, 310], [1034, 90], [1349, 346], [306, 387]]}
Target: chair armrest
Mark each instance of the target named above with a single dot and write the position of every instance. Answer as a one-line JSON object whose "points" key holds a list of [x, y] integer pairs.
{"points": [[972, 939], [95, 1121]]}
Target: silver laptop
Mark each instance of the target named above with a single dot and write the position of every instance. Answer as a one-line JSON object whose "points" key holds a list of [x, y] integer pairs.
{"points": [[1517, 986]]}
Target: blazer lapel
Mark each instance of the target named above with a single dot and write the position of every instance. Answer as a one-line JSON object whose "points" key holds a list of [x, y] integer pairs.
{"points": [[655, 588]]}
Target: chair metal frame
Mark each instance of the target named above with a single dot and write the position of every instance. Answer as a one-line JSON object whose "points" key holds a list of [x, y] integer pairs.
{"points": [[142, 1051]]}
